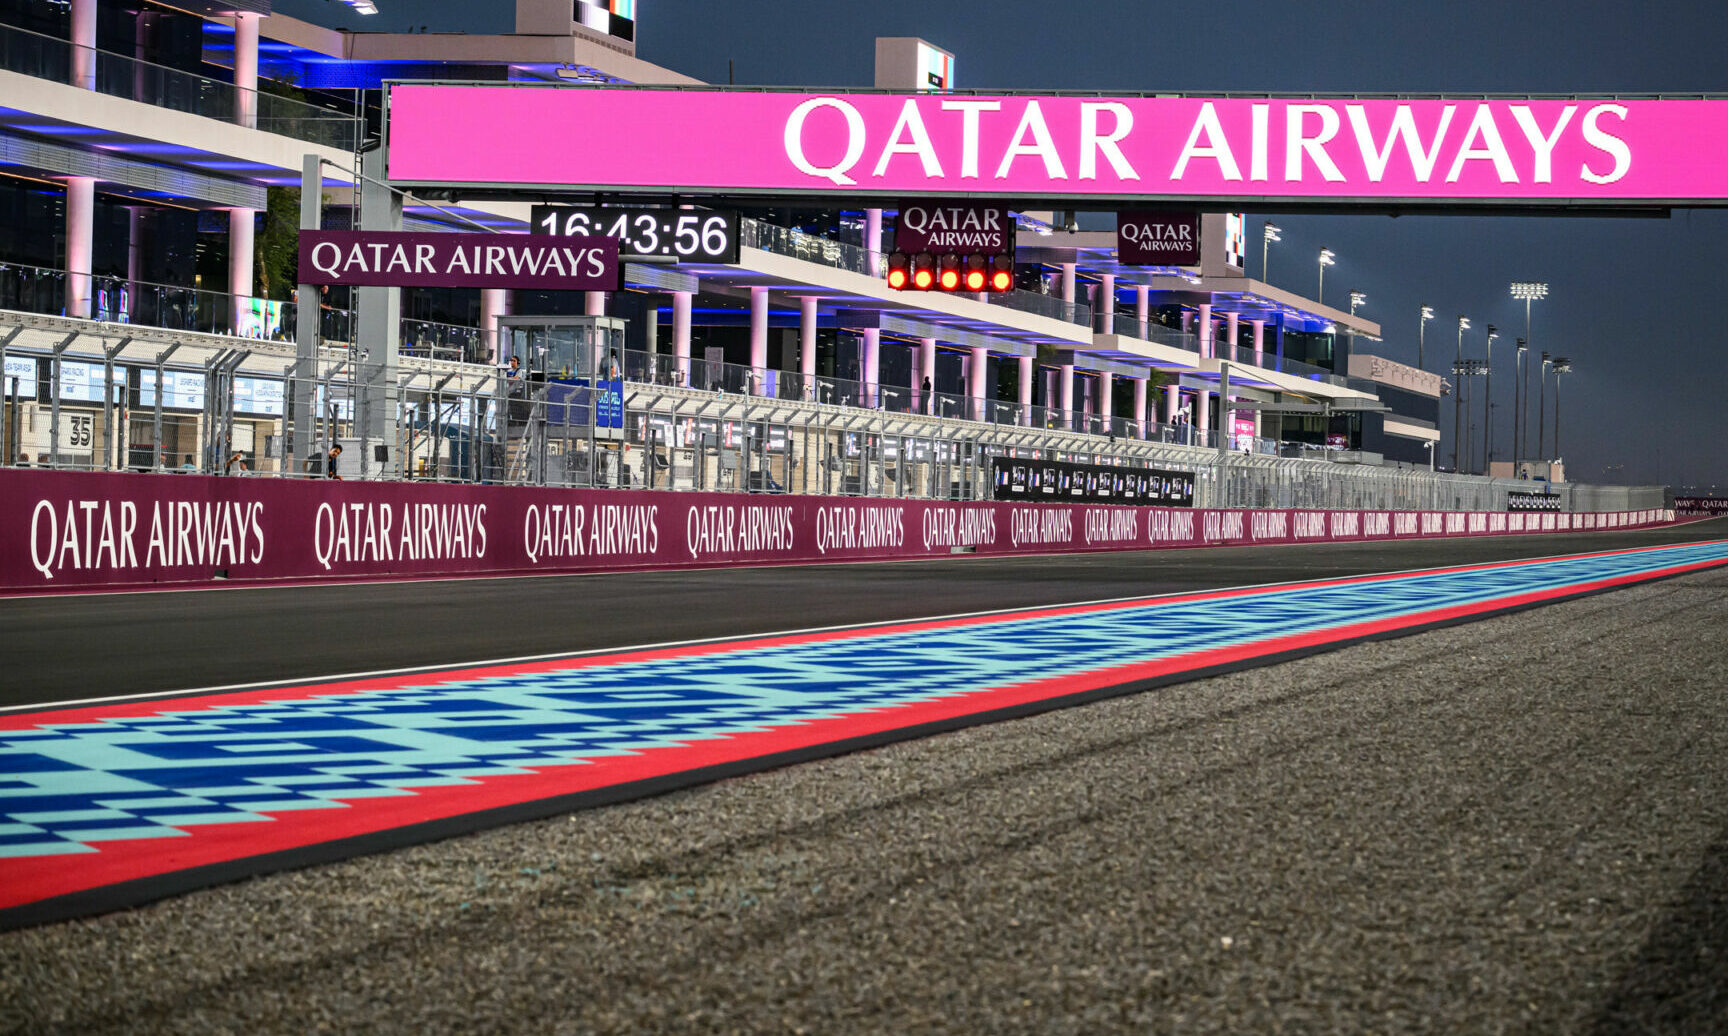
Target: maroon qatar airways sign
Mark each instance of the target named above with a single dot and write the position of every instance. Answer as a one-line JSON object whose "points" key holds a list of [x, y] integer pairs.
{"points": [[953, 228], [1158, 238], [62, 530], [396, 259]]}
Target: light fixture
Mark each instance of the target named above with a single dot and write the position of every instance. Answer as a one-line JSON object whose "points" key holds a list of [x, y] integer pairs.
{"points": [[1529, 290]]}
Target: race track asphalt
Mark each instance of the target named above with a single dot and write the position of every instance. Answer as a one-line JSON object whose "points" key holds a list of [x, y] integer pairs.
{"points": [[96, 645], [1514, 825]]}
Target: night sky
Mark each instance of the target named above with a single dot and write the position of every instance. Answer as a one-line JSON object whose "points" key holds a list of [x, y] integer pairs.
{"points": [[1630, 300]]}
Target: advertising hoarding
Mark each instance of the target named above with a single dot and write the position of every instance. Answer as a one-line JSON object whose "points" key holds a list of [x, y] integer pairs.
{"points": [[63, 530], [1573, 151]]}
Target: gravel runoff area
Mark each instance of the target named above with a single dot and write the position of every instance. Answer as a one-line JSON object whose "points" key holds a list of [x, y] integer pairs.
{"points": [[1519, 825]]}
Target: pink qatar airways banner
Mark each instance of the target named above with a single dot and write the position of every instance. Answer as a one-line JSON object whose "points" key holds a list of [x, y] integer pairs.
{"points": [[62, 530], [1578, 150], [408, 259]]}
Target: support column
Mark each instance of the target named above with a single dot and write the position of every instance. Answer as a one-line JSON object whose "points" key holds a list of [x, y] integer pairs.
{"points": [[380, 328], [1140, 408], [873, 240], [758, 339], [1202, 420], [241, 242], [927, 373], [870, 366], [1143, 309], [246, 68], [1232, 332], [134, 259], [84, 44], [1067, 395], [976, 371], [308, 324], [1172, 402], [1068, 283], [1106, 400], [80, 242], [1107, 303], [1206, 330], [809, 308], [1028, 369], [594, 303], [681, 335], [494, 303]]}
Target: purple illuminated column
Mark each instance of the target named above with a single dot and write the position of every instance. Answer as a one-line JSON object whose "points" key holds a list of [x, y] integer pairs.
{"points": [[246, 68], [1172, 402], [1067, 395], [681, 334], [1259, 361], [870, 366], [1107, 303], [1206, 329], [808, 312], [84, 44], [594, 303], [758, 338], [1027, 371], [80, 226], [1143, 309], [1202, 416], [494, 303], [1106, 404], [1140, 407], [1232, 338], [241, 238], [976, 370]]}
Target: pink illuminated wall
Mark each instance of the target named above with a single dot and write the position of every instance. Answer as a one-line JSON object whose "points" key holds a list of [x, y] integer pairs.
{"points": [[1572, 150]]}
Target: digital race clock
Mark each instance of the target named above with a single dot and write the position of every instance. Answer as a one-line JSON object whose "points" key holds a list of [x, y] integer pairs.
{"points": [[684, 235]]}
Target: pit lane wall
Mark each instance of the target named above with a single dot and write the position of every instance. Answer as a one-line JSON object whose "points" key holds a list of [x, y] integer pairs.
{"points": [[62, 530]]}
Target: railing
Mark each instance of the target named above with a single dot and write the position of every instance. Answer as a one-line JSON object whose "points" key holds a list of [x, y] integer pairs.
{"points": [[118, 75], [727, 378], [232, 406], [116, 300]]}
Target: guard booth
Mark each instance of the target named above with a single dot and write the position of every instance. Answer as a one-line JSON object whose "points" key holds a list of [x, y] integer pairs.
{"points": [[564, 405]]}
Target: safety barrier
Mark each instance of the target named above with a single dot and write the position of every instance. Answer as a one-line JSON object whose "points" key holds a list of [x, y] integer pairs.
{"points": [[63, 530]]}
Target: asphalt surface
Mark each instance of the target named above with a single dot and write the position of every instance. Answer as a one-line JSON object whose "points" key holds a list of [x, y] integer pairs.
{"points": [[1518, 825], [95, 645]]}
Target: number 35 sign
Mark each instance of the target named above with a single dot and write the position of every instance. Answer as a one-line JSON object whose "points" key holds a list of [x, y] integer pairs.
{"points": [[683, 235]]}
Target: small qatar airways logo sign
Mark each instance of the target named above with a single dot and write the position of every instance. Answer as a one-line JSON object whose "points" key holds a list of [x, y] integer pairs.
{"points": [[1158, 238], [394, 259], [953, 228], [943, 145]]}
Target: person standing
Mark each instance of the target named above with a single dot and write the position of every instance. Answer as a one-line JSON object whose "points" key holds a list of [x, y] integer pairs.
{"points": [[331, 460]]}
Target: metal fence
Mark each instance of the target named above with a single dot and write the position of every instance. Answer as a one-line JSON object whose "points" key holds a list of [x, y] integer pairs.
{"points": [[86, 395]]}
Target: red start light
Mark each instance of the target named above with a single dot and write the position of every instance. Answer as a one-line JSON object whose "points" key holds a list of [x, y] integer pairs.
{"points": [[975, 280], [922, 278], [950, 279], [896, 278], [1000, 280]]}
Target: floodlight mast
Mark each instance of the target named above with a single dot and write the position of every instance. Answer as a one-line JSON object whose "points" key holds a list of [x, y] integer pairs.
{"points": [[1529, 291]]}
